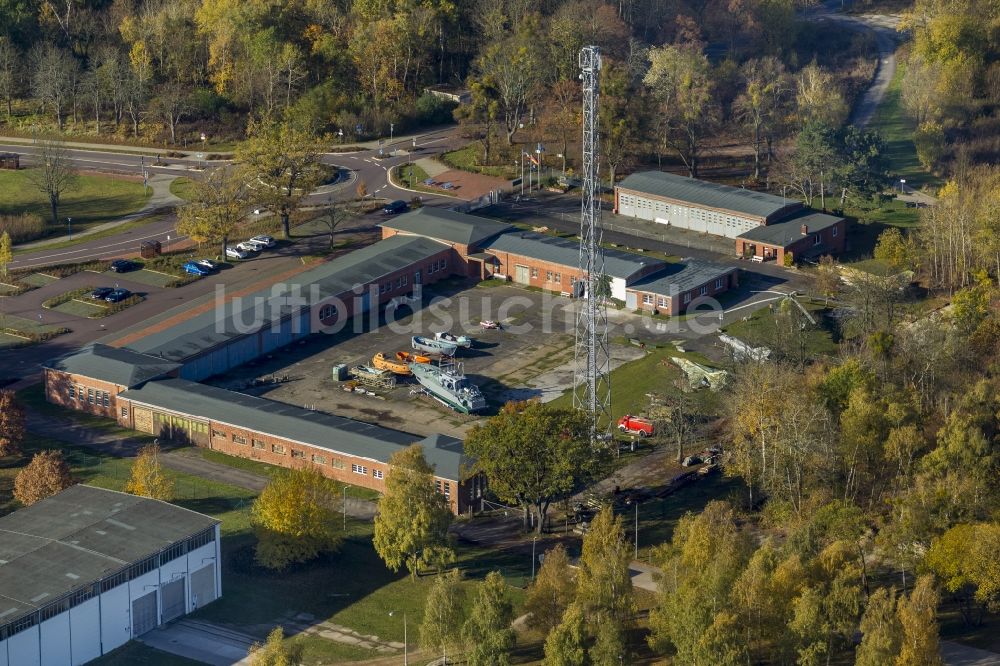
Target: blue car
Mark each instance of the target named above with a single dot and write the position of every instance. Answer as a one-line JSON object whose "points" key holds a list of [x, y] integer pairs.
{"points": [[195, 269]]}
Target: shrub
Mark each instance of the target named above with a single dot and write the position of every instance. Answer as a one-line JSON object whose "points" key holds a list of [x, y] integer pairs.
{"points": [[67, 297], [432, 110], [118, 307], [22, 227]]}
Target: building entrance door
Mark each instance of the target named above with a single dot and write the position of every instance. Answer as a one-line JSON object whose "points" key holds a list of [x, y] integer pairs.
{"points": [[521, 275]]}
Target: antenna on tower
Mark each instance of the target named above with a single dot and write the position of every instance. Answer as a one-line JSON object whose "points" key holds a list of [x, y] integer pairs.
{"points": [[592, 383]]}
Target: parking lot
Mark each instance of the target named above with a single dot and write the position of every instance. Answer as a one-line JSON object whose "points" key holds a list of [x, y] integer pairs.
{"points": [[531, 357]]}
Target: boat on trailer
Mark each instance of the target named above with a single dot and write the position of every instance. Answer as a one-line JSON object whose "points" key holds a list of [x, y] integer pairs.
{"points": [[457, 340], [448, 384], [393, 365], [411, 357], [429, 346]]}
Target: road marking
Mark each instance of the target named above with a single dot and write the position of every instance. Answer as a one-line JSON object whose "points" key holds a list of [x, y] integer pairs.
{"points": [[96, 251]]}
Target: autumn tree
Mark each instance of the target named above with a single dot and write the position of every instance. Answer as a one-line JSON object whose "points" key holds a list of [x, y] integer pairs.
{"points": [[487, 631], [46, 475], [511, 69], [705, 556], [674, 414], [411, 526], [147, 478], [12, 424], [532, 454], [283, 167], [881, 632], [275, 651], [603, 583], [966, 559], [53, 72], [680, 79], [760, 106], [441, 629], [918, 619], [565, 644], [818, 97], [54, 175], [217, 206], [551, 593], [10, 65], [294, 518], [6, 252]]}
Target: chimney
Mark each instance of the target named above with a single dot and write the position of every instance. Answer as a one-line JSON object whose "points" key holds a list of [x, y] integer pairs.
{"points": [[805, 229]]}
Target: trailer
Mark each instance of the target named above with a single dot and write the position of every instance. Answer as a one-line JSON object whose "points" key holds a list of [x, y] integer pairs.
{"points": [[373, 377]]}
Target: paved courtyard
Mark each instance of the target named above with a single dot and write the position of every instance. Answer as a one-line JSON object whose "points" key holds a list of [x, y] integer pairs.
{"points": [[531, 357]]}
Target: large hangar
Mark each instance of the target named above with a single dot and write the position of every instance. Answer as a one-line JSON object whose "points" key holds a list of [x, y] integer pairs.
{"points": [[87, 570]]}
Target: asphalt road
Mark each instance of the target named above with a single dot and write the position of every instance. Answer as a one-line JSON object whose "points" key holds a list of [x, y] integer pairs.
{"points": [[362, 165]]}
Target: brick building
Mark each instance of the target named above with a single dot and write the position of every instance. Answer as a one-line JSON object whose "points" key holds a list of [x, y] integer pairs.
{"points": [[682, 285], [805, 235], [764, 226]]}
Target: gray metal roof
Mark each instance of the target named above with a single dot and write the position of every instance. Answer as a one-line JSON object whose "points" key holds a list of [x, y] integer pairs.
{"points": [[789, 231], [75, 538], [326, 431], [567, 253], [111, 364], [447, 225], [233, 320], [710, 195], [685, 275]]}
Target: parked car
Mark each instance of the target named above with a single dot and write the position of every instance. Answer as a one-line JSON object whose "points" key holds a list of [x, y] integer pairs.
{"points": [[207, 264], [101, 293], [394, 207], [635, 425], [256, 246], [236, 253], [118, 295], [247, 246], [123, 265], [266, 241], [195, 268]]}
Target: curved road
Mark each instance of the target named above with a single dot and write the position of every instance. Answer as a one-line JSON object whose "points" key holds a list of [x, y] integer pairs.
{"points": [[883, 26], [363, 165]]}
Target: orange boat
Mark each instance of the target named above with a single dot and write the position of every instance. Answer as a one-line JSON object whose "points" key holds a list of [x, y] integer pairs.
{"points": [[382, 362], [410, 357]]}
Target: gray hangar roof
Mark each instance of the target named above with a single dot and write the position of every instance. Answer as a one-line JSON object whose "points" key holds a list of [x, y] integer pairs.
{"points": [[709, 195], [788, 231], [682, 276], [282, 420], [79, 536], [447, 225], [123, 367], [236, 318], [566, 252]]}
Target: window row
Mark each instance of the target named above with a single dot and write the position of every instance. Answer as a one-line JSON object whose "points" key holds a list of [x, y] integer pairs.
{"points": [[436, 266], [92, 396]]}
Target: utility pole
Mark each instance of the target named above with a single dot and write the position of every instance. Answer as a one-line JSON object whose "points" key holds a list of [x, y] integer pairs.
{"points": [[592, 382]]}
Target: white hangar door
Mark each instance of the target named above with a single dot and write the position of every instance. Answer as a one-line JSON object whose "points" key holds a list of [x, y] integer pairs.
{"points": [[115, 626], [172, 594], [144, 614], [203, 586]]}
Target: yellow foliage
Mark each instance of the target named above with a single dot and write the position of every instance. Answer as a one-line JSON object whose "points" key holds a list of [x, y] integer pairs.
{"points": [[147, 478]]}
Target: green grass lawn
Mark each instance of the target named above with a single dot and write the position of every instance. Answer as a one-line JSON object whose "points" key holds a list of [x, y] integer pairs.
{"points": [[6, 288], [80, 308], [38, 279], [897, 129], [97, 235], [182, 188], [30, 326], [760, 329], [98, 199], [468, 159], [653, 373], [411, 174], [33, 398], [8, 341]]}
